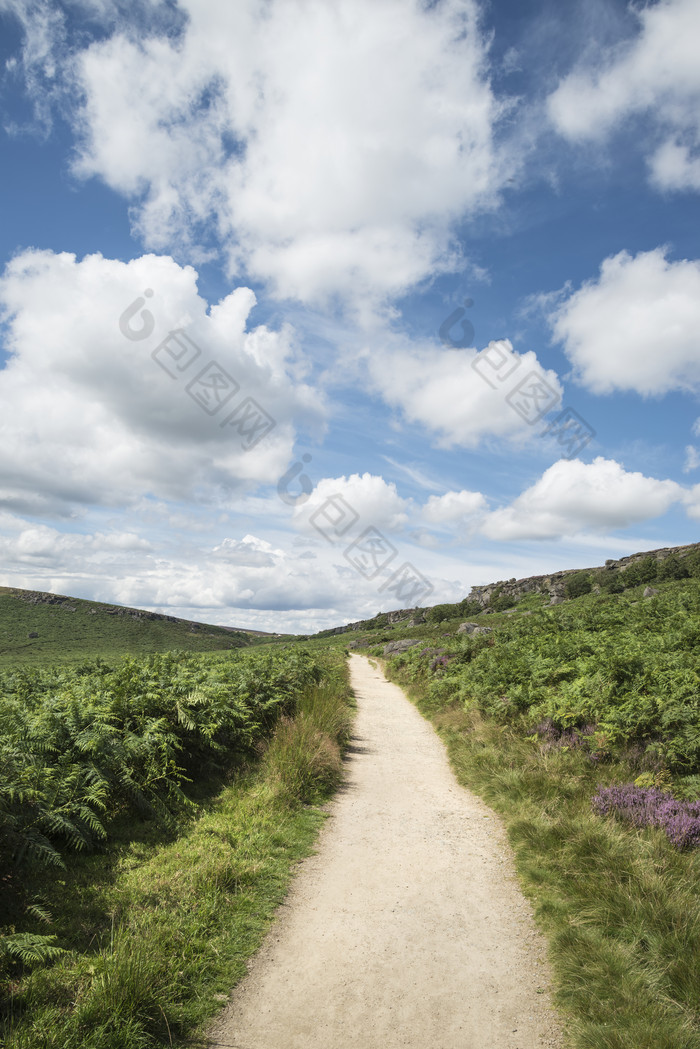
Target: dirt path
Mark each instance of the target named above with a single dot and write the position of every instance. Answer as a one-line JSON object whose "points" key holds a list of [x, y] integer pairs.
{"points": [[407, 927]]}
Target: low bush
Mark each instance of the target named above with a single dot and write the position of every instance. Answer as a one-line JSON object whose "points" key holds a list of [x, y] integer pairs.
{"points": [[578, 584]]}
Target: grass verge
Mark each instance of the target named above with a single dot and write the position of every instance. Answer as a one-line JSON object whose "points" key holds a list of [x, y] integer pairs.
{"points": [[620, 907], [173, 926]]}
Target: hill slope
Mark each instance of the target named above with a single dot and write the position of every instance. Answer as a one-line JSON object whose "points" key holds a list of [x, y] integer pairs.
{"points": [[37, 627]]}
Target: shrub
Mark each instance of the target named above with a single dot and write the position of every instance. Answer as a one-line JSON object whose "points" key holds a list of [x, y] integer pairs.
{"points": [[502, 602], [611, 582], [673, 568], [640, 572], [692, 562], [578, 584], [499, 601]]}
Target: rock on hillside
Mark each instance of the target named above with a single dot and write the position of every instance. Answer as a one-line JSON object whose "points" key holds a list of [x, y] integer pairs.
{"points": [[555, 583]]}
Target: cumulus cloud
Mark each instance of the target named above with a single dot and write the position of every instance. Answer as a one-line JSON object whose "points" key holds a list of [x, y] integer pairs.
{"points": [[636, 326], [235, 580], [656, 75], [462, 397], [89, 416], [453, 508], [325, 147], [236, 574], [572, 498], [357, 502]]}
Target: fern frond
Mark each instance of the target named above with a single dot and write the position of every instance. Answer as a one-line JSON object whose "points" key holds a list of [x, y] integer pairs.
{"points": [[29, 948]]}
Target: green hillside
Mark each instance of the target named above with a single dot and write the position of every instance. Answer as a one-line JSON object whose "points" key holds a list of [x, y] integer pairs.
{"points": [[41, 628]]}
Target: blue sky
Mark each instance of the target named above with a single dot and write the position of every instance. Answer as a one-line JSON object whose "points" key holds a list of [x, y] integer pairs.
{"points": [[307, 190]]}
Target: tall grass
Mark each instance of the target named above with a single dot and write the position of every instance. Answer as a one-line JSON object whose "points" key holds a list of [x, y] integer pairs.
{"points": [[304, 759]]}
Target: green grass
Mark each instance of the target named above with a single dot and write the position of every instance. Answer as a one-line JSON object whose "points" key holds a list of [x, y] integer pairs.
{"points": [[158, 929], [73, 629], [620, 907]]}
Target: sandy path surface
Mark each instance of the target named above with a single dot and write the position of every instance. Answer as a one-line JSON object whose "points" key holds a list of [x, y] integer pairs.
{"points": [[407, 927]]}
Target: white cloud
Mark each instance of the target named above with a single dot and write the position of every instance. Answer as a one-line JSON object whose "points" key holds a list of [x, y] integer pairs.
{"points": [[453, 508], [233, 577], [415, 473], [658, 75], [90, 417], [572, 498], [367, 501], [636, 326], [250, 551], [442, 391], [327, 147], [236, 581], [43, 25], [692, 458]]}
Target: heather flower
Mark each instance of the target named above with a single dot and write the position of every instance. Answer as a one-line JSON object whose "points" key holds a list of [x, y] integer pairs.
{"points": [[651, 807]]}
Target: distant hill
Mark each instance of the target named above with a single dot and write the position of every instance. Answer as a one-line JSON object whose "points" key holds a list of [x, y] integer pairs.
{"points": [[38, 627]]}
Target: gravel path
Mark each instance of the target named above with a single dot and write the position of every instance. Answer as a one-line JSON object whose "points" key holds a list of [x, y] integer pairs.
{"points": [[407, 927]]}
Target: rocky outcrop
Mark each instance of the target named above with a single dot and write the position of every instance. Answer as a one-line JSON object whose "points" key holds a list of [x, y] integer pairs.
{"points": [[554, 584], [400, 646], [406, 616]]}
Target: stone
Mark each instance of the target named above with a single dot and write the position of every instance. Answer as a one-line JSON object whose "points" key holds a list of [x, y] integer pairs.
{"points": [[400, 646], [473, 628], [33, 634], [556, 600], [650, 591]]}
